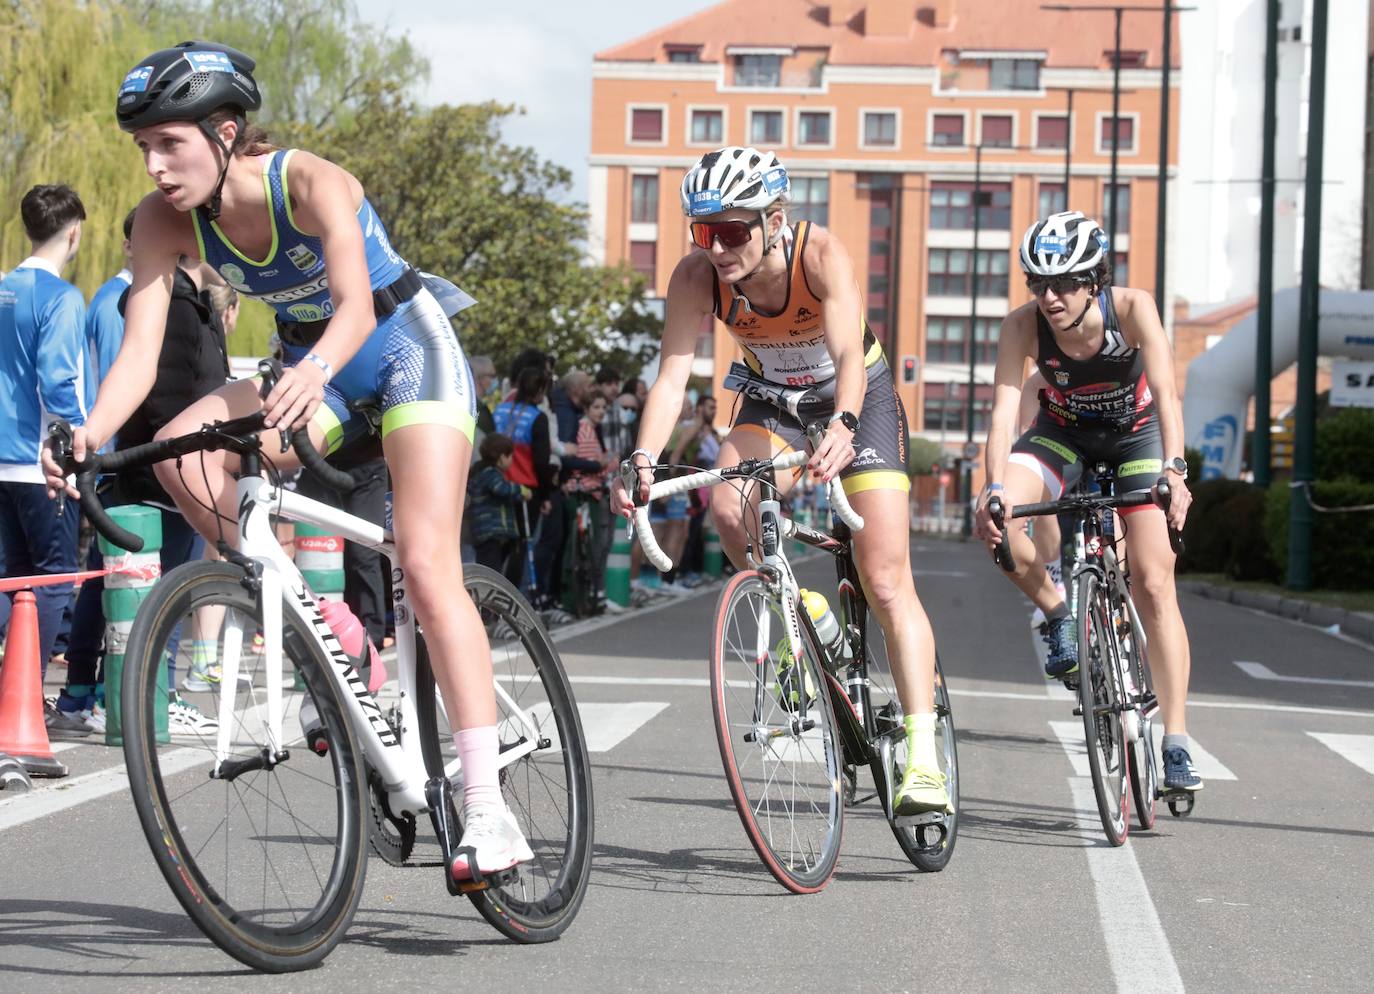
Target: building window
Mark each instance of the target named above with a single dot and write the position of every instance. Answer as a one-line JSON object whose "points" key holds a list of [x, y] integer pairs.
{"points": [[951, 207], [996, 130], [1129, 59], [643, 257], [691, 54], [644, 199], [949, 273], [1051, 132], [765, 127], [1014, 74], [810, 199], [946, 407], [813, 127], [947, 339], [707, 127], [880, 128], [947, 130], [1052, 199], [758, 70], [646, 124], [1125, 134], [1123, 209], [1121, 269], [882, 197]]}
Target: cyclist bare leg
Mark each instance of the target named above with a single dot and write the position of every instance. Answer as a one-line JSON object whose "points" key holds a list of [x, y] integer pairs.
{"points": [[744, 442], [1024, 486], [1156, 599]]}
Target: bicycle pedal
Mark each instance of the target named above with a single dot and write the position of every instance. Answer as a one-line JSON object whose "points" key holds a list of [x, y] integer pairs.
{"points": [[1078, 712], [924, 818], [476, 880]]}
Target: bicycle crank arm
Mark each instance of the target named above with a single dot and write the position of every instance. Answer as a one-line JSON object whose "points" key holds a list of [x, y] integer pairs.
{"points": [[443, 815], [231, 769]]}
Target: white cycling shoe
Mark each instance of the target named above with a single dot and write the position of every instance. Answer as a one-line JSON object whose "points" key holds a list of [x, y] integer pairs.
{"points": [[494, 836]]}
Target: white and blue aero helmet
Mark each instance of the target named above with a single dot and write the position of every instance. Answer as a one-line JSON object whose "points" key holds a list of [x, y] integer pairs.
{"points": [[732, 177], [1062, 244]]}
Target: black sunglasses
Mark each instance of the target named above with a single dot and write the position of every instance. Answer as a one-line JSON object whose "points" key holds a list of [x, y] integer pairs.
{"points": [[1061, 285]]}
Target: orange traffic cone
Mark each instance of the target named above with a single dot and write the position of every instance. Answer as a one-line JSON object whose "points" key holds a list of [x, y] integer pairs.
{"points": [[22, 731]]}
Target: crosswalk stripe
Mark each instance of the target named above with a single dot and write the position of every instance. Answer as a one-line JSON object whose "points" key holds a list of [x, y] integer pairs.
{"points": [[604, 725], [1359, 749], [1208, 766], [1258, 671]]}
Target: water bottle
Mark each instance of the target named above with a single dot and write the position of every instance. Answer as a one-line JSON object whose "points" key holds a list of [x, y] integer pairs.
{"points": [[833, 643], [353, 638]]}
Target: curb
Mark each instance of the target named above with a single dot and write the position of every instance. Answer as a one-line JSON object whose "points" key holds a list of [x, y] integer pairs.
{"points": [[1354, 624]]}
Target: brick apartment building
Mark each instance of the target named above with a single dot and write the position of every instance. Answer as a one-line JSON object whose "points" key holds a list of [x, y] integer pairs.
{"points": [[877, 107]]}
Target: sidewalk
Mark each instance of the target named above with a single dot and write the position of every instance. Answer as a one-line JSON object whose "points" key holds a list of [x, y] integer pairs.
{"points": [[1358, 625]]}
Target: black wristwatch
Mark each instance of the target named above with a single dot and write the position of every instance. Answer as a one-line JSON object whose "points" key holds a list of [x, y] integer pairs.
{"points": [[1178, 465], [848, 419]]}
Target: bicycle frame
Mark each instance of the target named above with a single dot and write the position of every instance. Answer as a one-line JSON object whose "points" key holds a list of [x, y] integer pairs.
{"points": [[397, 759]]}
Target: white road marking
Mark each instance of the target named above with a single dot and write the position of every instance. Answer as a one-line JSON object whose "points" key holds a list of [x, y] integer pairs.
{"points": [[1208, 766], [64, 794], [1137, 947], [1261, 672], [1075, 743], [604, 726], [1359, 749]]}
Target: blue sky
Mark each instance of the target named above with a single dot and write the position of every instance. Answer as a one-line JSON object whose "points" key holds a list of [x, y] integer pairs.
{"points": [[537, 53]]}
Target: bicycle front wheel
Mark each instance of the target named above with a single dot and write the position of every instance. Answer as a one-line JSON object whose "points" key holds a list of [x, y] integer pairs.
{"points": [[548, 786], [777, 736], [1101, 695], [263, 846]]}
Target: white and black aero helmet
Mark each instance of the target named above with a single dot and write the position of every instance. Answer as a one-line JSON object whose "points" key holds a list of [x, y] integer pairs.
{"points": [[1064, 244], [731, 177]]}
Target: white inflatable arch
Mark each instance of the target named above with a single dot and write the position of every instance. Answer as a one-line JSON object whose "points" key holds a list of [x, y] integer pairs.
{"points": [[1221, 381]]}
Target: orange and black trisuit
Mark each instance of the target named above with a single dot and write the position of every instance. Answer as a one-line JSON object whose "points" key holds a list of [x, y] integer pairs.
{"points": [[788, 347]]}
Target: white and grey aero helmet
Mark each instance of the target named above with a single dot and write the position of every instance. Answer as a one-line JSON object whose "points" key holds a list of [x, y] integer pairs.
{"points": [[731, 177], [1062, 244]]}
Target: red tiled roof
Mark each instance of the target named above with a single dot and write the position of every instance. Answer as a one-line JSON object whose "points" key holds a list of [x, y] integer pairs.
{"points": [[1069, 39]]}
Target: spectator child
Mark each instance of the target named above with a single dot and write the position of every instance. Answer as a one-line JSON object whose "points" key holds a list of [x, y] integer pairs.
{"points": [[493, 506]]}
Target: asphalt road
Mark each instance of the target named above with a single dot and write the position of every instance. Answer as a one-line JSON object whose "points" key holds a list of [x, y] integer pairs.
{"points": [[1265, 887]]}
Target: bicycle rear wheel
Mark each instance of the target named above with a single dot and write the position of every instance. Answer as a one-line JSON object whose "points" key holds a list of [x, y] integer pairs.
{"points": [[1100, 695], [267, 856], [549, 788], [928, 848], [1140, 689], [777, 736]]}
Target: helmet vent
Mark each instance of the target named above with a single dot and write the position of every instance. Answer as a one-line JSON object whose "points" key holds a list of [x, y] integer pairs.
{"points": [[191, 90]]}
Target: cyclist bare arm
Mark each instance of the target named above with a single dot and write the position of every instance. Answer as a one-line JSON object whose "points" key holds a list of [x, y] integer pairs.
{"points": [[326, 205], [1015, 343], [830, 274], [689, 306], [1140, 322]]}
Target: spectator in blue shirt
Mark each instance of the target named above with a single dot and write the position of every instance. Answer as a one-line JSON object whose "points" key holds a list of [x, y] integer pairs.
{"points": [[43, 364], [104, 323]]}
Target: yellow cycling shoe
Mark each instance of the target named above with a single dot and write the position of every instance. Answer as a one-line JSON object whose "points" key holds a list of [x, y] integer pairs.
{"points": [[922, 790]]}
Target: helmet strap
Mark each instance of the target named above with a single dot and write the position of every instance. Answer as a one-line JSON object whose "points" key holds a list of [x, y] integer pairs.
{"points": [[1086, 307], [211, 208], [770, 242]]}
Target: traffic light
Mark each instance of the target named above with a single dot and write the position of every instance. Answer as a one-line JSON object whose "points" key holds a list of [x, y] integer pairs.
{"points": [[1281, 443], [909, 364]]}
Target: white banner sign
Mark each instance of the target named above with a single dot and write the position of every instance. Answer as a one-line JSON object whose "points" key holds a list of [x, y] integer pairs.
{"points": [[1352, 383]]}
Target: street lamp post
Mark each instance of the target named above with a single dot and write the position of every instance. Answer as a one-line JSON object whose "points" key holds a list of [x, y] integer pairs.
{"points": [[972, 336], [1161, 221]]}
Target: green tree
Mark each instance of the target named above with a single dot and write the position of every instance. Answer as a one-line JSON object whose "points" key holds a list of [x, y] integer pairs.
{"points": [[61, 63], [460, 202]]}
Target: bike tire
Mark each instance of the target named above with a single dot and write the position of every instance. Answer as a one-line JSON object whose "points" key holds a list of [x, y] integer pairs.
{"points": [[1099, 692], [170, 812], [1143, 764], [540, 904], [751, 691]]}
